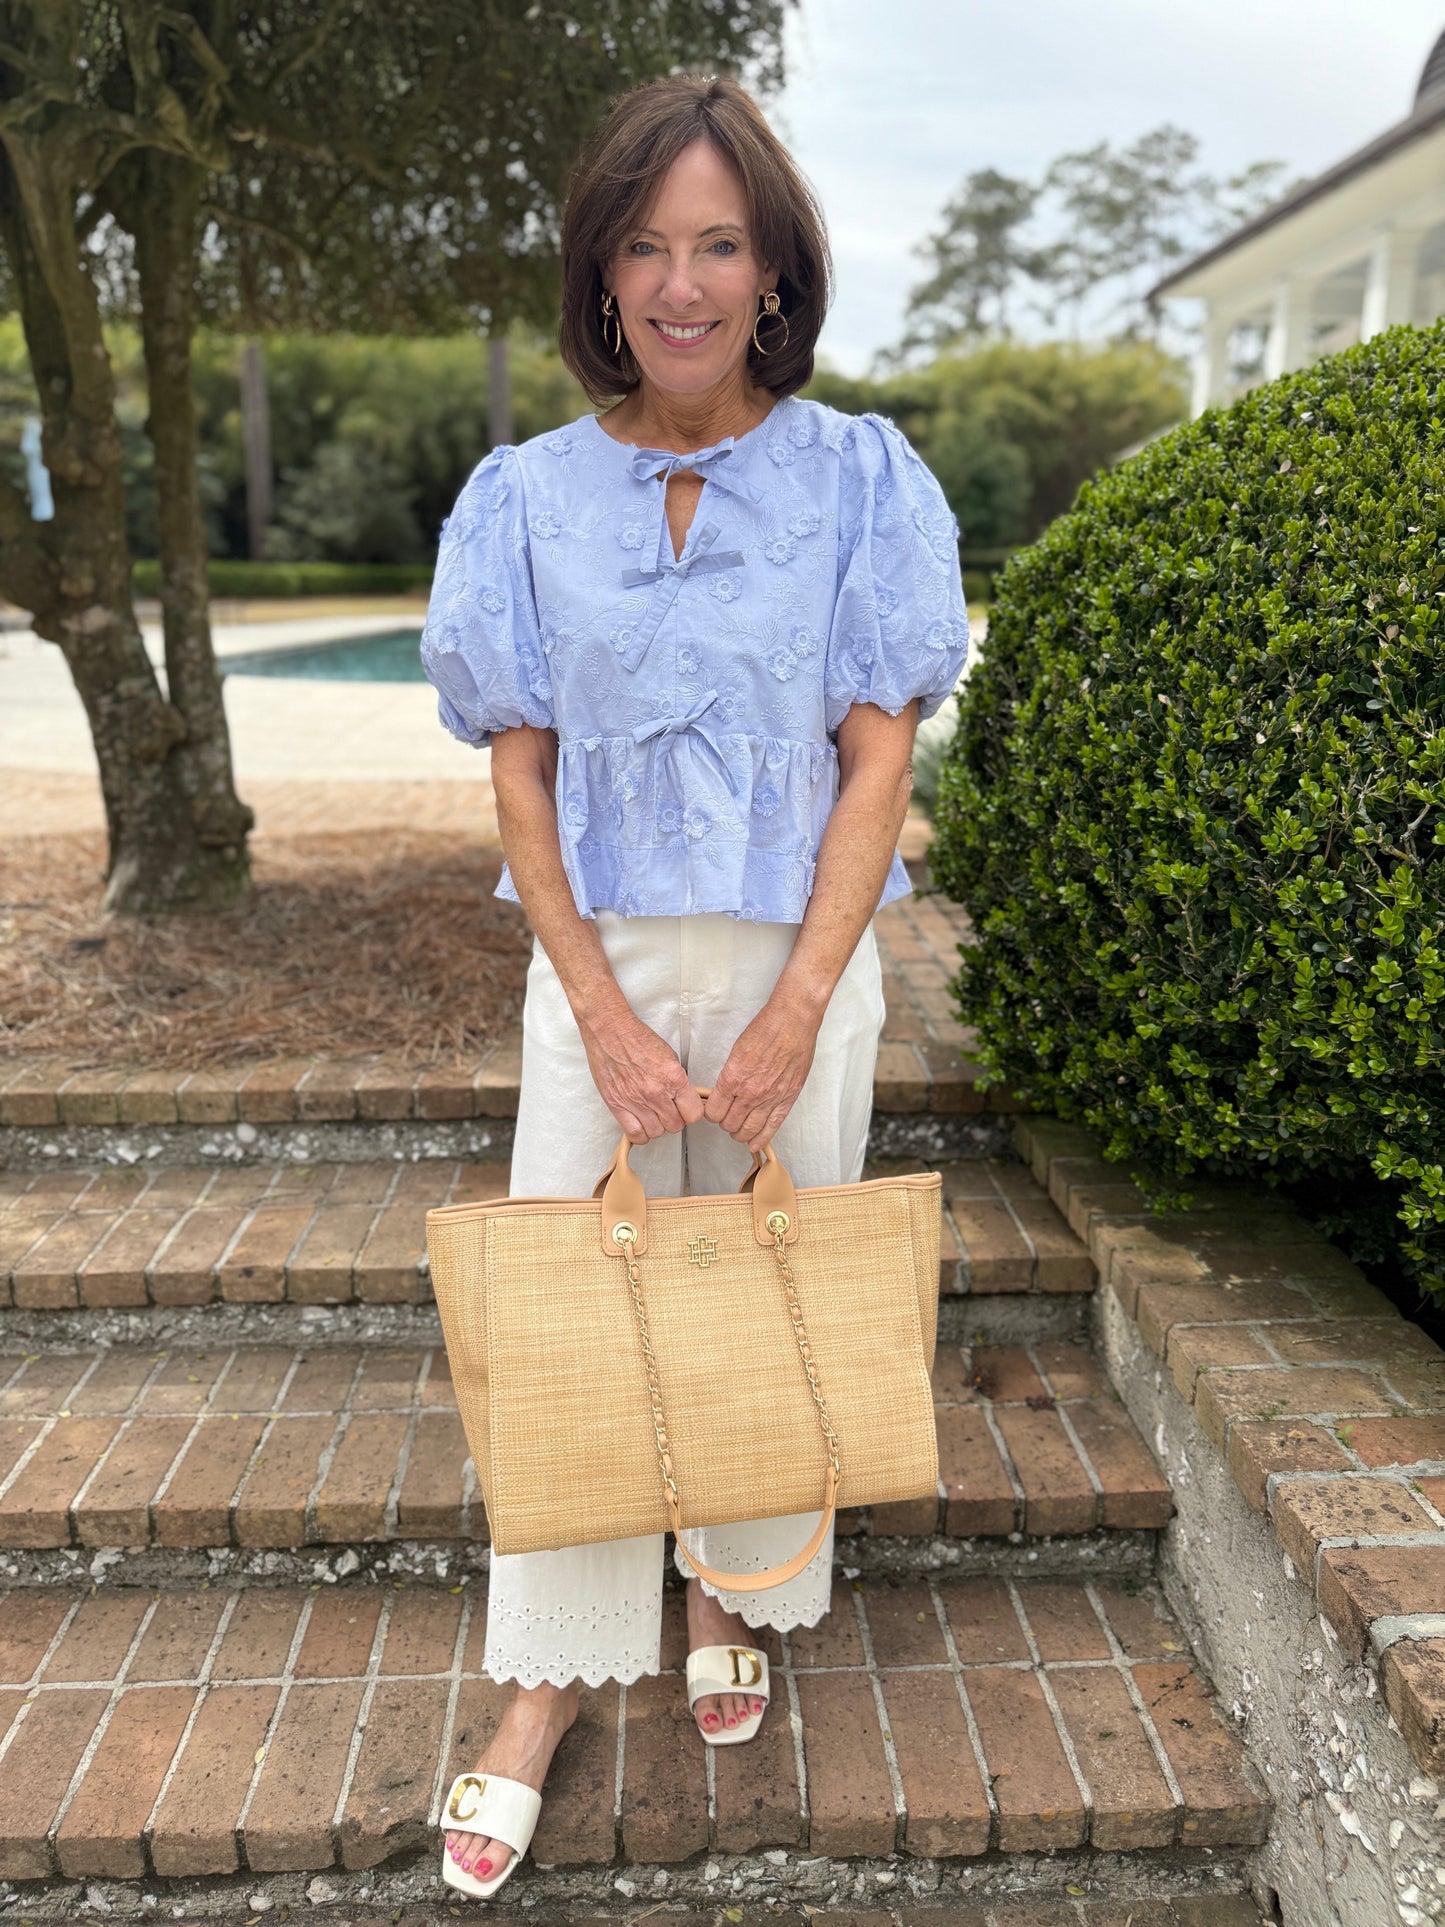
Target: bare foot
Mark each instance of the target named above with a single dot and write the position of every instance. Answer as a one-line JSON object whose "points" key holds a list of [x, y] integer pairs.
{"points": [[520, 1749], [709, 1625]]}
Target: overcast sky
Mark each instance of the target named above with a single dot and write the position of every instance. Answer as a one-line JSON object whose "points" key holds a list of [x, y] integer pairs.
{"points": [[890, 103]]}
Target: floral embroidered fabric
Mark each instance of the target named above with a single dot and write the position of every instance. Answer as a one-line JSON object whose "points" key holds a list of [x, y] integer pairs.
{"points": [[696, 698]]}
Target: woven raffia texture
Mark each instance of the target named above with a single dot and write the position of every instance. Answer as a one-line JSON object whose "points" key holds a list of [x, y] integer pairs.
{"points": [[552, 1383]]}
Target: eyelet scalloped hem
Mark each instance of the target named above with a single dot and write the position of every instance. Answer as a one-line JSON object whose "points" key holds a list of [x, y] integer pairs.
{"points": [[505, 1673], [759, 1617]]}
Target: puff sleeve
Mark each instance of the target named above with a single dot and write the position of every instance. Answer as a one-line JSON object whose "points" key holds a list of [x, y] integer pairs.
{"points": [[481, 646], [900, 625]]}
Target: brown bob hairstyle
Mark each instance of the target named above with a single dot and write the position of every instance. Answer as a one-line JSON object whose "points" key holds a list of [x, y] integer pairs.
{"points": [[615, 183]]}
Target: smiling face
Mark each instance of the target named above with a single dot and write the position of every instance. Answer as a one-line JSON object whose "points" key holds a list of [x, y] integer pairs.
{"points": [[687, 282]]}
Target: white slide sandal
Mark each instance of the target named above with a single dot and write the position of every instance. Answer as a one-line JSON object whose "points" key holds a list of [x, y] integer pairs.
{"points": [[497, 1809], [728, 1669]]}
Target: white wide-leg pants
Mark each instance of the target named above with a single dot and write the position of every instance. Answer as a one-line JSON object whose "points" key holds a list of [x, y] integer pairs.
{"points": [[595, 1612]]}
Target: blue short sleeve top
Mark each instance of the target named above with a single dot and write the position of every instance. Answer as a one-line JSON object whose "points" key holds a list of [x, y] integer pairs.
{"points": [[696, 699]]}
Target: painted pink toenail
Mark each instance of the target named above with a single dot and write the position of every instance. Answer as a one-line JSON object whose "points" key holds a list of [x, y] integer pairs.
{"points": [[732, 1722], [484, 1866], [709, 1719]]}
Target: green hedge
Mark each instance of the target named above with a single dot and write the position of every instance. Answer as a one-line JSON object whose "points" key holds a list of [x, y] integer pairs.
{"points": [[243, 580], [1195, 803]]}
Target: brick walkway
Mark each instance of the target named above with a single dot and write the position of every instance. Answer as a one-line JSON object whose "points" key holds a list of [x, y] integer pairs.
{"points": [[275, 1447], [287, 1730]]}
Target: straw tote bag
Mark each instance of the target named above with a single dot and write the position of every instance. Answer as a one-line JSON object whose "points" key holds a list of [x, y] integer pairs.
{"points": [[625, 1365]]}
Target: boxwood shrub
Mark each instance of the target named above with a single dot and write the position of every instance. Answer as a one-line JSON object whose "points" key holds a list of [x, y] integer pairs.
{"points": [[1195, 802]]}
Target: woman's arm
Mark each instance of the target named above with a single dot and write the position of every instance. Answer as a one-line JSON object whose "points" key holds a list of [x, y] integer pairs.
{"points": [[637, 1072], [769, 1063]]}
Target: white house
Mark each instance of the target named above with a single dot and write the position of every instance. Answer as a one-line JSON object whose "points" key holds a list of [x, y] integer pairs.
{"points": [[1342, 256]]}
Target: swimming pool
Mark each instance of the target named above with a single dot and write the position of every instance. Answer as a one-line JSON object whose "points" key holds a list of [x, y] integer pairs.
{"points": [[388, 657]]}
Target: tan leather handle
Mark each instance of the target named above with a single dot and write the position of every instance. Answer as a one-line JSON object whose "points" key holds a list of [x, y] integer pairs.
{"points": [[624, 1198], [777, 1575]]}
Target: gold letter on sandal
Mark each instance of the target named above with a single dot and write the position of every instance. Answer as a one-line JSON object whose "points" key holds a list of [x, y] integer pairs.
{"points": [[737, 1654], [466, 1799]]}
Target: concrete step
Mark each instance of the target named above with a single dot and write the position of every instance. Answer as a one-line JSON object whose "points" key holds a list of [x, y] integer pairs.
{"points": [[408, 1896], [118, 1237], [286, 1729], [277, 1448]]}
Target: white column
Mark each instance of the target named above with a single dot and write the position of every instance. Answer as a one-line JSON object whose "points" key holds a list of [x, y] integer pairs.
{"points": [[1211, 362], [1287, 345], [1390, 280]]}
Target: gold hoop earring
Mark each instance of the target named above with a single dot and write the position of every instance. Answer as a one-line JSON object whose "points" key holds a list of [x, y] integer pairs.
{"points": [[772, 311], [609, 313]]}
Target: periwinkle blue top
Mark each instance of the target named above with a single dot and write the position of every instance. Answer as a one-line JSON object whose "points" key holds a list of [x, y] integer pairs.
{"points": [[695, 700]]}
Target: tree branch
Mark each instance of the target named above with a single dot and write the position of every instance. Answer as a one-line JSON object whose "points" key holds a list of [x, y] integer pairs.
{"points": [[226, 217], [157, 102], [189, 30], [262, 117], [17, 57], [310, 47]]}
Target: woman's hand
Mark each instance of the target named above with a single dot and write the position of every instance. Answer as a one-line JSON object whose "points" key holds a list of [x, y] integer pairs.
{"points": [[641, 1080], [765, 1070]]}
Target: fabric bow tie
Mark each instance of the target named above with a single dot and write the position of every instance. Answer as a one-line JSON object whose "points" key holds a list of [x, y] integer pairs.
{"points": [[689, 723], [700, 558], [715, 465], [711, 463]]}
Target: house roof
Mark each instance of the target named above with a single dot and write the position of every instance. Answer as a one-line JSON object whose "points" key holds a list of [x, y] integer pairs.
{"points": [[1427, 113], [1432, 76]]}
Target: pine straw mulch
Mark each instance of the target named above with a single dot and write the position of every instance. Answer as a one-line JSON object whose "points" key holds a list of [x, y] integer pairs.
{"points": [[352, 944]]}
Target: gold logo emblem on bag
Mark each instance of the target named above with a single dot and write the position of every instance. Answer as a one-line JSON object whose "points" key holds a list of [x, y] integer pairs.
{"points": [[737, 1654], [466, 1798], [702, 1251]]}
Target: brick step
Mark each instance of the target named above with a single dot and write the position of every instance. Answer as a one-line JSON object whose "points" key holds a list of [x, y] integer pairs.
{"points": [[269, 1447], [922, 1073], [117, 1237], [193, 1733], [921, 1070]]}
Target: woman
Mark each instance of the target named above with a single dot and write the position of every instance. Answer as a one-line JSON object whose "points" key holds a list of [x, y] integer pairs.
{"points": [[699, 632]]}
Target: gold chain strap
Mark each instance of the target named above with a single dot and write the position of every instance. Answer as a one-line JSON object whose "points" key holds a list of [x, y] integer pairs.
{"points": [[800, 1333], [626, 1235]]}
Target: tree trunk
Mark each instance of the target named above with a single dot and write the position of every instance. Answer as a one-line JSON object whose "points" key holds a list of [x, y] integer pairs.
{"points": [[74, 572], [166, 232]]}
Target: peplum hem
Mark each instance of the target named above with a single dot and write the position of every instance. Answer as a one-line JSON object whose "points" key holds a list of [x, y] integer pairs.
{"points": [[692, 821], [783, 906]]}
